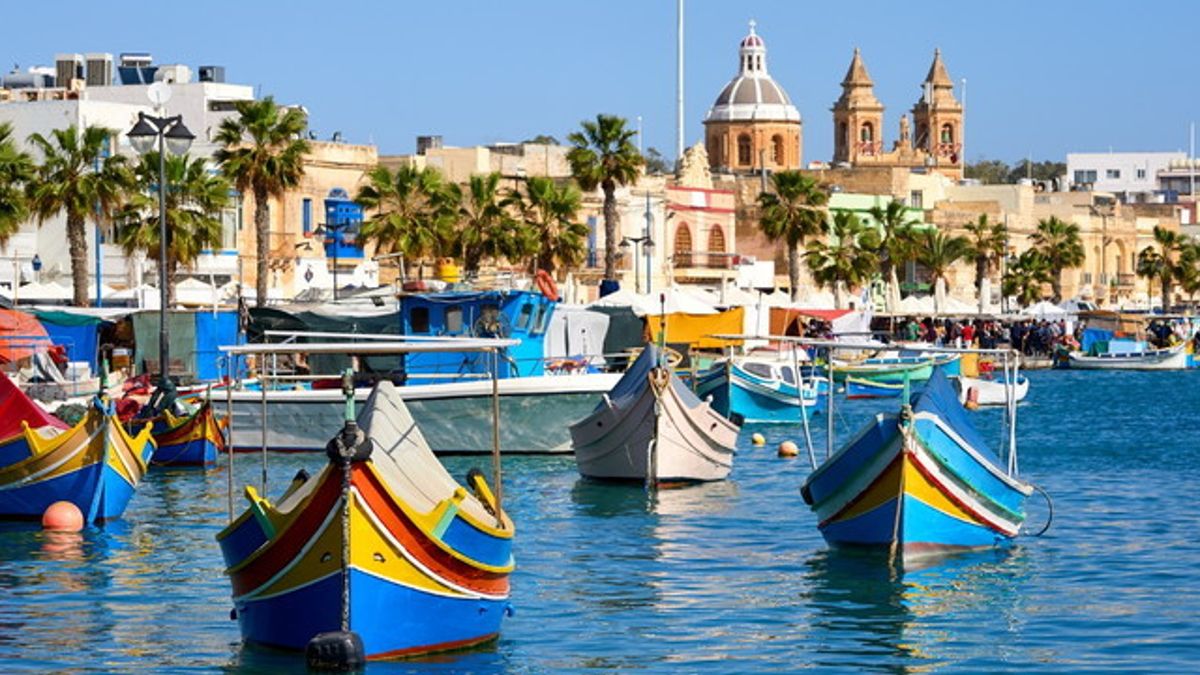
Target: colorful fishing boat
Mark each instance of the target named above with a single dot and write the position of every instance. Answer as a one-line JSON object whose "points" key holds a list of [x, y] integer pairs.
{"points": [[761, 389], [857, 387], [921, 482], [653, 429], [382, 543], [888, 372], [980, 392], [188, 440], [95, 464]]}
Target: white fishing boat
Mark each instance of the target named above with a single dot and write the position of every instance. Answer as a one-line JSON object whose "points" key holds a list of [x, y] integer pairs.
{"points": [[651, 428], [1168, 358], [453, 416], [990, 392]]}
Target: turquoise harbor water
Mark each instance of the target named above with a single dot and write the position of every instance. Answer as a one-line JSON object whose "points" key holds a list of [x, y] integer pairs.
{"points": [[722, 578]]}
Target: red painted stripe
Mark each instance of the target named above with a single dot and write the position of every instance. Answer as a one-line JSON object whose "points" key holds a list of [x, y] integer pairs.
{"points": [[981, 518], [429, 649], [285, 547], [401, 527]]}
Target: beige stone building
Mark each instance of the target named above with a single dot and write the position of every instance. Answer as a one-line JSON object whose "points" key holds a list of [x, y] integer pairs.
{"points": [[752, 124], [331, 170], [510, 160]]}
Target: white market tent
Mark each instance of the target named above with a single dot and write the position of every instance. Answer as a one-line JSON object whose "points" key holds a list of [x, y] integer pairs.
{"points": [[1044, 310]]}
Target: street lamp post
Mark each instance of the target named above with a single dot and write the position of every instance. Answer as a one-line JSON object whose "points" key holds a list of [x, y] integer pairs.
{"points": [[646, 245], [334, 233], [167, 133]]}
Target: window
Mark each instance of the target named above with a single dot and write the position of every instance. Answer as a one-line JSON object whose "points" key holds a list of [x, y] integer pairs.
{"points": [[1141, 174], [778, 151], [1085, 176], [867, 134], [759, 369], [844, 134], [947, 133], [544, 319], [788, 375], [418, 320], [231, 224], [716, 240], [454, 319], [683, 245], [916, 199], [743, 142], [537, 320], [523, 316], [1112, 173], [306, 214]]}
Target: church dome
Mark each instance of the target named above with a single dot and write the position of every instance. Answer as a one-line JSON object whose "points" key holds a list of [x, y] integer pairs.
{"points": [[753, 95]]}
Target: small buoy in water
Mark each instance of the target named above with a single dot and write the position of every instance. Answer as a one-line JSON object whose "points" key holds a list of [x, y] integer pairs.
{"points": [[972, 399], [758, 439], [788, 449], [62, 516]]}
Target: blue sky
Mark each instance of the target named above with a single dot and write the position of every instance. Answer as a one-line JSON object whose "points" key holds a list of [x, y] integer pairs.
{"points": [[1043, 78]]}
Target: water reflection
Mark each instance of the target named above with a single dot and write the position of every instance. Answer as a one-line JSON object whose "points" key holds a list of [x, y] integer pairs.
{"points": [[874, 613]]}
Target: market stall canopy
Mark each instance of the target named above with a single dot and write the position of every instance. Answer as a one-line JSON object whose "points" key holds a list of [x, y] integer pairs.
{"points": [[1044, 310], [20, 335], [48, 292], [915, 305]]}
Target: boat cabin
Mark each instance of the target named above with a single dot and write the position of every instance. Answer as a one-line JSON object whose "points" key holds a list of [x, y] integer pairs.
{"points": [[523, 315]]}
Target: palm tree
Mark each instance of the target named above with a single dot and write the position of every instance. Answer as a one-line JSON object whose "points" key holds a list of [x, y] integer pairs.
{"points": [[195, 199], [1025, 277], [850, 257], [792, 213], [16, 170], [938, 254], [604, 156], [262, 152], [1188, 270], [483, 218], [78, 176], [549, 211], [986, 243], [895, 243], [1163, 264], [1059, 243], [413, 215]]}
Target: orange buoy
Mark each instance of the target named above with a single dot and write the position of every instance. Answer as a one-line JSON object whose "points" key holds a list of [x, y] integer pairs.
{"points": [[62, 516], [788, 449]]}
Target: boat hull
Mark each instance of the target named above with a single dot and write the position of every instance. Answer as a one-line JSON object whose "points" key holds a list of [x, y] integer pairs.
{"points": [[743, 398], [916, 487], [862, 388], [656, 436], [991, 392], [95, 465], [456, 418], [194, 440], [1175, 358]]}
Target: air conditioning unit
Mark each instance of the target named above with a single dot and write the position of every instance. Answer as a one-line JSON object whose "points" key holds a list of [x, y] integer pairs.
{"points": [[99, 70], [212, 73], [173, 74]]}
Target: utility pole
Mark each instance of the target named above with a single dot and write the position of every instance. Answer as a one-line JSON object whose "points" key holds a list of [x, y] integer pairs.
{"points": [[679, 82]]}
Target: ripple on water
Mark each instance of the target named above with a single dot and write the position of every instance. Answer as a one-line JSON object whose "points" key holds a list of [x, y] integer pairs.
{"points": [[727, 577]]}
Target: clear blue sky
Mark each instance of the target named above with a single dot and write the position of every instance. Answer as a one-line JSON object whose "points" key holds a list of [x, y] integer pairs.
{"points": [[1043, 78]]}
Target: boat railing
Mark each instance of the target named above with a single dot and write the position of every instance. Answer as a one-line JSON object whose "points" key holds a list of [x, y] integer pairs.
{"points": [[490, 346]]}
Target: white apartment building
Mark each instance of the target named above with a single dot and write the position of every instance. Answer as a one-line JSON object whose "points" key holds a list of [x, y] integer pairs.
{"points": [[1131, 176]]}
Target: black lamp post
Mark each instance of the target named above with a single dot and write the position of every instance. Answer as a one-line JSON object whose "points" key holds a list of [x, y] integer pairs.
{"points": [[167, 133], [334, 232], [647, 247]]}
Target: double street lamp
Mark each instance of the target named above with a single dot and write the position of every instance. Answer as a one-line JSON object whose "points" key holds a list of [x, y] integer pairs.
{"points": [[161, 133], [647, 247]]}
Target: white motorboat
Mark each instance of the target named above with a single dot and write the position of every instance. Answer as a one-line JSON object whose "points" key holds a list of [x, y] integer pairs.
{"points": [[652, 428], [990, 392], [454, 416], [1169, 358]]}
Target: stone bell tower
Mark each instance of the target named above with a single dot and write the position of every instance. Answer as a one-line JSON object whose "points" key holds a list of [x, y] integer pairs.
{"points": [[857, 116], [938, 118]]}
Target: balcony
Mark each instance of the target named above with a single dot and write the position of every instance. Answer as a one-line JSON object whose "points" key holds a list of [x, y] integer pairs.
{"points": [[1124, 282], [705, 260]]}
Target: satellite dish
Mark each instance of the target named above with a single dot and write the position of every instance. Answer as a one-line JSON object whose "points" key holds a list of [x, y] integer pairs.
{"points": [[159, 93]]}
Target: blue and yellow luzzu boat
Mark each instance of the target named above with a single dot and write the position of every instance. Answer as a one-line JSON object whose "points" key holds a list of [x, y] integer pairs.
{"points": [[761, 389], [191, 440], [95, 465], [920, 482], [413, 563], [863, 388]]}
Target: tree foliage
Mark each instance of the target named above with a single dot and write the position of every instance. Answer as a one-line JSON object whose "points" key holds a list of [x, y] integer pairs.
{"points": [[603, 155], [16, 171], [848, 259], [411, 212], [792, 213], [1060, 245]]}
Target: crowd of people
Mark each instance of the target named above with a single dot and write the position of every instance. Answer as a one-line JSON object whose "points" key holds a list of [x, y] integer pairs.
{"points": [[1034, 338]]}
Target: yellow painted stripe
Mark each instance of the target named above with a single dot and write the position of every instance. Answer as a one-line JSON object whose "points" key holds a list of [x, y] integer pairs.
{"points": [[917, 485], [371, 551], [62, 454]]}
